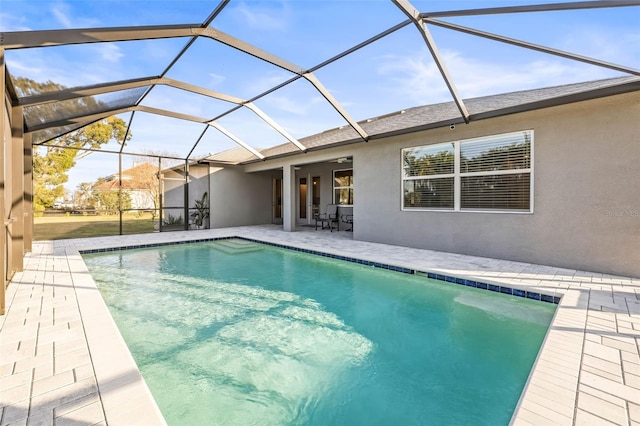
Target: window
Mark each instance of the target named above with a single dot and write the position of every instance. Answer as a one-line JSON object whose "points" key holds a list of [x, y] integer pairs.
{"points": [[429, 176], [492, 173], [343, 187]]}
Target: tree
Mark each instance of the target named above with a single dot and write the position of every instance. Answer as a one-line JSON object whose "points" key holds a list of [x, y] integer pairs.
{"points": [[52, 162], [108, 202], [82, 197]]}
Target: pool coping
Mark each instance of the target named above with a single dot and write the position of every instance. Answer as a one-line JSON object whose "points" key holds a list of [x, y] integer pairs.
{"points": [[587, 370], [473, 283]]}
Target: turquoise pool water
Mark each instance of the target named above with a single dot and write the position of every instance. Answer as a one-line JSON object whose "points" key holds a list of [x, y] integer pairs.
{"points": [[238, 333]]}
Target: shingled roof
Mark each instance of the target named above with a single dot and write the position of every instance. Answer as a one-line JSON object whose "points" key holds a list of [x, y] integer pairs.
{"points": [[135, 178], [441, 115]]}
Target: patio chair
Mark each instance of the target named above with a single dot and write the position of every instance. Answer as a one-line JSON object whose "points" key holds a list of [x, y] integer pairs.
{"points": [[348, 219], [329, 217]]}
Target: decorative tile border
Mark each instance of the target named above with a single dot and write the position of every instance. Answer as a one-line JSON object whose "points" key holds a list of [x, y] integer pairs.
{"points": [[336, 256], [431, 275], [493, 287], [150, 245]]}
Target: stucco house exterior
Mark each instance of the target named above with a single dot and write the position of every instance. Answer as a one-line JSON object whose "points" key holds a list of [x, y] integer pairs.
{"points": [[139, 182], [568, 195]]}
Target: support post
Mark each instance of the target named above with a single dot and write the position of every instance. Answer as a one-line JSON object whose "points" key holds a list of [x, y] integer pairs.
{"points": [[3, 233], [28, 193], [16, 212], [288, 198], [7, 198], [186, 194], [120, 193]]}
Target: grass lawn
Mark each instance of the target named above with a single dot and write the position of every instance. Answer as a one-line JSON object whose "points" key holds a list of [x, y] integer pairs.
{"points": [[61, 227]]}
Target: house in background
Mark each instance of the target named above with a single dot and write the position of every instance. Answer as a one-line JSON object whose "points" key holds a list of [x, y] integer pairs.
{"points": [[140, 183], [547, 176]]}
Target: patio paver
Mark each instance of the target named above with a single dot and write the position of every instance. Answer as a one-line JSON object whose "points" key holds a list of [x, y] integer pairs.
{"points": [[63, 360]]}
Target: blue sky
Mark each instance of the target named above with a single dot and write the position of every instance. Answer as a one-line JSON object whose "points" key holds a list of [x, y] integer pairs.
{"points": [[394, 73]]}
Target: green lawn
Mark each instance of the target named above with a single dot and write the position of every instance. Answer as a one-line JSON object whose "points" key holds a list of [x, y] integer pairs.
{"points": [[61, 227]]}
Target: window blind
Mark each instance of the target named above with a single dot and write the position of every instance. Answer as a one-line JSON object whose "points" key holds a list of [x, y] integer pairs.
{"points": [[491, 173]]}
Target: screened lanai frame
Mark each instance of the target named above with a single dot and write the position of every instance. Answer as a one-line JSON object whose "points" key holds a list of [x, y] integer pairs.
{"points": [[129, 94], [46, 118]]}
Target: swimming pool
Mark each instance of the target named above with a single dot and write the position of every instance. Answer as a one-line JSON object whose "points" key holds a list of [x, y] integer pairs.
{"points": [[235, 332]]}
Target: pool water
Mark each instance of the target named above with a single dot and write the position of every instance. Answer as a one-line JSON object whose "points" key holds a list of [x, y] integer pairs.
{"points": [[233, 332]]}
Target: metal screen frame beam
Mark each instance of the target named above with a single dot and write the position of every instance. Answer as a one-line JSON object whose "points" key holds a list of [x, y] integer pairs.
{"points": [[275, 126], [14, 40], [111, 151], [532, 46], [200, 90], [165, 113], [321, 89], [193, 148], [236, 139], [80, 119], [186, 47], [336, 105], [48, 38], [82, 91], [168, 113], [415, 17], [361, 45], [249, 49], [100, 89], [126, 133], [533, 8], [78, 92]]}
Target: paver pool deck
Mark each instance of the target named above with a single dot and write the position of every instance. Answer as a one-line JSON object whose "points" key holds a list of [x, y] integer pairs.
{"points": [[64, 362]]}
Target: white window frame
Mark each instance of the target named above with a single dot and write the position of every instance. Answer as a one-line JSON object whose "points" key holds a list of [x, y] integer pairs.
{"points": [[334, 187], [457, 178]]}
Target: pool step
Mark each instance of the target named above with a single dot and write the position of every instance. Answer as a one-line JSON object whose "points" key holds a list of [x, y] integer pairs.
{"points": [[234, 246]]}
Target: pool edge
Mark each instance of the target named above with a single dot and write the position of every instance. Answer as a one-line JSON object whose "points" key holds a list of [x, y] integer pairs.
{"points": [[610, 304], [122, 388], [551, 296]]}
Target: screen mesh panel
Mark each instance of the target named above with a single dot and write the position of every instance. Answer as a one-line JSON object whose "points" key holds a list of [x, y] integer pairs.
{"points": [[62, 110]]}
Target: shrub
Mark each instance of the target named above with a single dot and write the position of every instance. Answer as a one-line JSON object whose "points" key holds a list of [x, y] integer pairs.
{"points": [[172, 220]]}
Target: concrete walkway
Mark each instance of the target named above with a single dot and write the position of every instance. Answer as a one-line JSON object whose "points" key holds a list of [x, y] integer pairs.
{"points": [[63, 361]]}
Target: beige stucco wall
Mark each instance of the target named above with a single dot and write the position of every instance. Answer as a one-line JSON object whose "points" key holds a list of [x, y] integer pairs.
{"points": [[586, 192], [239, 198]]}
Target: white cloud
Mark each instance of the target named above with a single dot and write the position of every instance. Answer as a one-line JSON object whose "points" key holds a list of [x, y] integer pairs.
{"points": [[109, 52], [69, 70], [418, 79], [63, 13], [300, 107], [38, 71], [264, 82], [261, 18], [605, 43], [60, 12], [215, 79], [10, 22]]}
